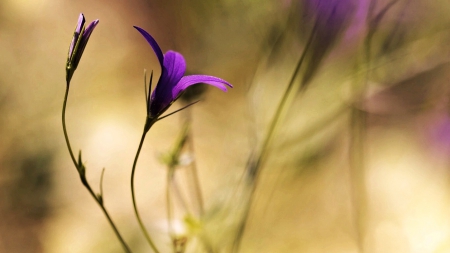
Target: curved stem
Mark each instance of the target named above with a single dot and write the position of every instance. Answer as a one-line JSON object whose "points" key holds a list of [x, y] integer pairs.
{"points": [[256, 160], [116, 231], [282, 106], [83, 177], [136, 212], [65, 129]]}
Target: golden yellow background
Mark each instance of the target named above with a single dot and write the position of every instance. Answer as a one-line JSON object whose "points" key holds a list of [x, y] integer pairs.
{"points": [[310, 198]]}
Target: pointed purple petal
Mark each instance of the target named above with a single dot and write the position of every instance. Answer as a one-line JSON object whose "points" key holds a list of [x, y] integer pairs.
{"points": [[80, 23], [83, 42], [174, 66], [86, 35], [153, 44], [173, 70], [90, 28], [187, 81], [76, 34]]}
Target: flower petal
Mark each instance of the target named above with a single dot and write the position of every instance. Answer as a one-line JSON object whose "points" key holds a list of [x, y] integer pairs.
{"points": [[90, 28], [84, 40], [187, 81], [153, 44], [173, 70], [76, 34]]}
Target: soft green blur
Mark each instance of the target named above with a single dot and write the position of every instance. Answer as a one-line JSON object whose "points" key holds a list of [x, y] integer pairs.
{"points": [[359, 161]]}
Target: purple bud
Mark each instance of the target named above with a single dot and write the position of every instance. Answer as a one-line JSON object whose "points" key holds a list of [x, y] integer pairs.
{"points": [[76, 34], [78, 44]]}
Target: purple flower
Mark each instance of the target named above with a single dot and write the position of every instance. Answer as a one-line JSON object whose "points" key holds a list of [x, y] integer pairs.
{"points": [[172, 81], [78, 44]]}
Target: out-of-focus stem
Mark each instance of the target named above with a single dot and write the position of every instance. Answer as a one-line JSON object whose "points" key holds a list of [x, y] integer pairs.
{"points": [[170, 172], [256, 160], [357, 173], [171, 187], [193, 177], [358, 129], [99, 200]]}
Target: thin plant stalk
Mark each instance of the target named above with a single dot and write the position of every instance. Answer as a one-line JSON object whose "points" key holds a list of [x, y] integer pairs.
{"points": [[358, 130], [193, 167], [133, 197], [148, 124], [173, 192], [97, 198], [169, 201], [196, 182], [171, 187], [257, 159], [170, 214]]}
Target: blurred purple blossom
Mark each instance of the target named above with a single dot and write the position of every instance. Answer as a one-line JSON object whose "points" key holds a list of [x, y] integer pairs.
{"points": [[79, 41], [439, 134], [172, 81], [326, 21]]}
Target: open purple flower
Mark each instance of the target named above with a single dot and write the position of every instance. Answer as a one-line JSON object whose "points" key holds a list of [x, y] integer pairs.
{"points": [[172, 81], [79, 41]]}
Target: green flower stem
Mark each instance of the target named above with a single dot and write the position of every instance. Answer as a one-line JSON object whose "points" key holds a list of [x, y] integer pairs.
{"points": [[98, 199], [257, 159], [64, 126], [133, 197]]}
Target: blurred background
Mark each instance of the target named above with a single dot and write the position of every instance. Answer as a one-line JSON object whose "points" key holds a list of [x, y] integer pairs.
{"points": [[335, 137]]}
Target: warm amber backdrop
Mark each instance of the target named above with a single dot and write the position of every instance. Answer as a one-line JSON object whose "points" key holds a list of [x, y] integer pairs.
{"points": [[306, 200]]}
